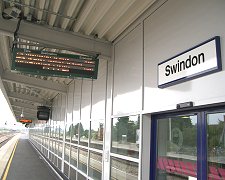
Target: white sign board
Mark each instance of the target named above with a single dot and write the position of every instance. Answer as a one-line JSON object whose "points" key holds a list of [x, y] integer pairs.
{"points": [[198, 61]]}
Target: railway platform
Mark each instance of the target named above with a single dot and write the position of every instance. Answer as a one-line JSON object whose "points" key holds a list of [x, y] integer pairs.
{"points": [[21, 161]]}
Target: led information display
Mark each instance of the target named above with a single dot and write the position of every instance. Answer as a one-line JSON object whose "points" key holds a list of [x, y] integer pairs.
{"points": [[54, 64], [25, 121]]}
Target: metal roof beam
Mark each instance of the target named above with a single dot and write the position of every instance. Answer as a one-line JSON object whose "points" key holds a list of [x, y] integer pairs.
{"points": [[34, 82], [24, 105], [25, 112], [57, 38], [27, 98], [17, 114]]}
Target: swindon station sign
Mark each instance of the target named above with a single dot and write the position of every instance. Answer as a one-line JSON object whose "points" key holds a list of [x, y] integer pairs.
{"points": [[198, 61]]}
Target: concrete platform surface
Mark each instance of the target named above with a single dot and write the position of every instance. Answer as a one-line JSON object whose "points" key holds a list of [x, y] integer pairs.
{"points": [[28, 165], [5, 153]]}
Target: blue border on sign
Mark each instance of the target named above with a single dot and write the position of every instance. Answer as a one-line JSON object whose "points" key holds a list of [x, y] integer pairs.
{"points": [[197, 75]]}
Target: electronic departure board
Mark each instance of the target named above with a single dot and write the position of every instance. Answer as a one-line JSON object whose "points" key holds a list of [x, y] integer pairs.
{"points": [[54, 64], [25, 121]]}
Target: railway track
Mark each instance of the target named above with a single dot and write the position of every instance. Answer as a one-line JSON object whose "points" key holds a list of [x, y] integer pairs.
{"points": [[5, 138]]}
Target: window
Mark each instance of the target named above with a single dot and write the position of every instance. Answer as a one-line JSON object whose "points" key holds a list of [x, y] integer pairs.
{"points": [[83, 157], [97, 130], [125, 144], [84, 133], [68, 132], [73, 158], [74, 132], [123, 169], [67, 152], [95, 165], [124, 135]]}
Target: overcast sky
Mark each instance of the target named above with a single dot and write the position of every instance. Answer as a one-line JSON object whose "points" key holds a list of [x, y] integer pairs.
{"points": [[5, 113]]}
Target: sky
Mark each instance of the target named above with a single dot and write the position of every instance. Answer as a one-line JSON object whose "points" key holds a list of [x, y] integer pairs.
{"points": [[7, 118]]}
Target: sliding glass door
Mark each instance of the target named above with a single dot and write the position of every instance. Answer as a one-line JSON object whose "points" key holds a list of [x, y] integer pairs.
{"points": [[216, 145], [177, 147], [188, 145]]}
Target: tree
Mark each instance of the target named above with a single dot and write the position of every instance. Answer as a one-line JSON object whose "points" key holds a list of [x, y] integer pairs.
{"points": [[125, 127], [73, 129]]}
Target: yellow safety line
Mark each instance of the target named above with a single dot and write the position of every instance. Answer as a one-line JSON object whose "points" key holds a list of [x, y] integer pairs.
{"points": [[10, 161]]}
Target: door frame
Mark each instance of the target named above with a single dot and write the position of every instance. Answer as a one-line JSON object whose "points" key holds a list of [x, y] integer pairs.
{"points": [[201, 112]]}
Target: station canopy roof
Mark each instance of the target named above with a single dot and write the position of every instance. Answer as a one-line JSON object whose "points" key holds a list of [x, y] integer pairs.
{"points": [[81, 27]]}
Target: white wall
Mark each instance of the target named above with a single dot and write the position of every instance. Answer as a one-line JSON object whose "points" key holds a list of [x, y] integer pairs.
{"points": [[127, 87], [77, 100], [87, 97], [59, 108], [173, 28], [99, 92], [168, 30], [70, 102]]}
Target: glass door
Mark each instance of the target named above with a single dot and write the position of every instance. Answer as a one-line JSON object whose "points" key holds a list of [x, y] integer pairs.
{"points": [[176, 147], [216, 145], [189, 145]]}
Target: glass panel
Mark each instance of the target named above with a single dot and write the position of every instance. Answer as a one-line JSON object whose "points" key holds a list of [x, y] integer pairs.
{"points": [[84, 132], [59, 163], [69, 128], [177, 148], [51, 157], [46, 131], [54, 160], [124, 136], [83, 156], [74, 132], [67, 152], [53, 146], [95, 166], [52, 135], [60, 149], [50, 145], [73, 158], [56, 147], [61, 130], [46, 152], [73, 173], [57, 132], [66, 169], [123, 169], [97, 130], [81, 177], [43, 142], [216, 145], [46, 143]]}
